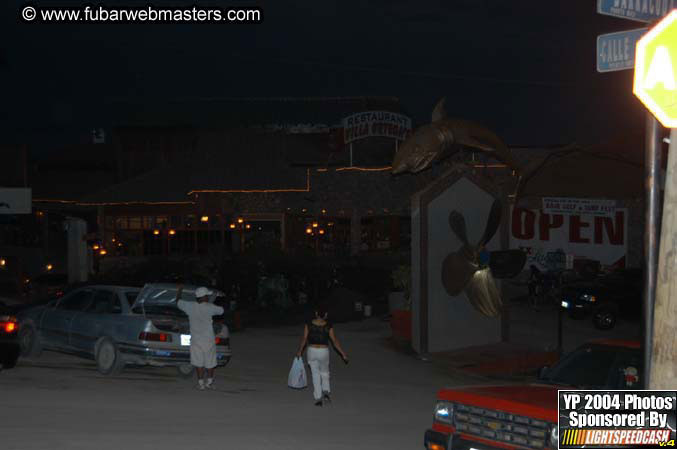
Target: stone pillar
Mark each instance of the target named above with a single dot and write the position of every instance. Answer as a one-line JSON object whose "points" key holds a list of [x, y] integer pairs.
{"points": [[355, 233], [78, 267]]}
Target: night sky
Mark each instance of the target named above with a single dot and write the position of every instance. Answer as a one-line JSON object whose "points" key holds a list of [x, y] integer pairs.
{"points": [[524, 68]]}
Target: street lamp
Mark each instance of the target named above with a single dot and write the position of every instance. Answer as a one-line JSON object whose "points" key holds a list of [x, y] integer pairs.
{"points": [[241, 226]]}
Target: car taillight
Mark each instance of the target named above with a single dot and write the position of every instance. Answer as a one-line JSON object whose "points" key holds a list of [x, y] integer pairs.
{"points": [[158, 337], [222, 341], [8, 324]]}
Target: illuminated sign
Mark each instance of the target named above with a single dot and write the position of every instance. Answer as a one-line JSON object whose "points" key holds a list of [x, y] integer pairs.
{"points": [[375, 123], [655, 77]]}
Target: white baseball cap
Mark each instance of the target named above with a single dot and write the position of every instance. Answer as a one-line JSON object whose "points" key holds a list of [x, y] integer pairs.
{"points": [[202, 292]]}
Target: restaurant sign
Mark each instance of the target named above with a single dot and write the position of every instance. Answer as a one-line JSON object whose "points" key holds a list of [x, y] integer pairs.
{"points": [[578, 206], [375, 124]]}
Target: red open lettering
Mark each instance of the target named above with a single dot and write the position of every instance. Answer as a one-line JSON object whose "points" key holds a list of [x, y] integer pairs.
{"points": [[545, 224], [615, 231], [523, 229], [575, 225]]}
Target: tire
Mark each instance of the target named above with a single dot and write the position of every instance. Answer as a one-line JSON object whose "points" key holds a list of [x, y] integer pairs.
{"points": [[185, 371], [29, 342], [604, 318], [11, 361], [108, 358]]}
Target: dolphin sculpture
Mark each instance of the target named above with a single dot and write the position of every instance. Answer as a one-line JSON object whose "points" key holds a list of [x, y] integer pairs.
{"points": [[444, 137]]}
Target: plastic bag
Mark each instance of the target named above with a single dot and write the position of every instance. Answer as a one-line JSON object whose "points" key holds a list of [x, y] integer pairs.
{"points": [[297, 375]]}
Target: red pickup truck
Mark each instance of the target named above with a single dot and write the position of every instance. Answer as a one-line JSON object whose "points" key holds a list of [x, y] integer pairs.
{"points": [[525, 416]]}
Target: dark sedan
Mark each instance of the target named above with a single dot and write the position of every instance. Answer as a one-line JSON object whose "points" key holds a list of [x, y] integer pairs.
{"points": [[606, 299], [9, 339]]}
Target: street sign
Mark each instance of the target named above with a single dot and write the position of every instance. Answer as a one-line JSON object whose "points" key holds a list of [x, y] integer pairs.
{"points": [[655, 81], [639, 10], [616, 51]]}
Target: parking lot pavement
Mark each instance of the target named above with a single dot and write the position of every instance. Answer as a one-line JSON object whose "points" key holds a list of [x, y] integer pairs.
{"points": [[382, 399]]}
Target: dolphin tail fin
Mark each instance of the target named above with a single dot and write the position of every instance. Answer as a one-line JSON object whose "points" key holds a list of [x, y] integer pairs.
{"points": [[439, 112]]}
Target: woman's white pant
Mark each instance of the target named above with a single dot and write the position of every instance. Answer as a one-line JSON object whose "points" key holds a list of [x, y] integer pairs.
{"points": [[318, 360]]}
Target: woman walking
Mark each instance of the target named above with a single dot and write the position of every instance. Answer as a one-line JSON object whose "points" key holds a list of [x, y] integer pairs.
{"points": [[317, 334]]}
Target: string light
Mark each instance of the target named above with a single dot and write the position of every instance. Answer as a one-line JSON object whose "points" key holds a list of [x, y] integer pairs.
{"points": [[315, 224], [309, 230], [240, 220], [172, 232], [49, 267], [204, 219], [364, 169], [103, 252], [321, 231], [79, 203], [3, 262], [232, 226], [95, 246], [156, 232], [248, 226]]}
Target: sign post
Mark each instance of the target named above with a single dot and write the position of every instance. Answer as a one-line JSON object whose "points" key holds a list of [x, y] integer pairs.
{"points": [[616, 51], [646, 11], [655, 85]]}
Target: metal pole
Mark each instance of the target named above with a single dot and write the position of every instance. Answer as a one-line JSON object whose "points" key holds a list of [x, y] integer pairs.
{"points": [[351, 154], [652, 164]]}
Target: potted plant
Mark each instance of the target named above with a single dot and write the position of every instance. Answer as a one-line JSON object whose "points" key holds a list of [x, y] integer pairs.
{"points": [[400, 303]]}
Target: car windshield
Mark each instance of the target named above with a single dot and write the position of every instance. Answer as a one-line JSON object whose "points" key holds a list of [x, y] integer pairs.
{"points": [[588, 367]]}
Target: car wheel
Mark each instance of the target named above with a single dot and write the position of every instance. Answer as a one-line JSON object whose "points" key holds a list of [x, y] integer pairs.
{"points": [[108, 358], [10, 361], [604, 319], [29, 342], [185, 371]]}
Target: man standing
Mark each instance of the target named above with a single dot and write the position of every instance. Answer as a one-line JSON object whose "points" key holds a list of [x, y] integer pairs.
{"points": [[202, 339]]}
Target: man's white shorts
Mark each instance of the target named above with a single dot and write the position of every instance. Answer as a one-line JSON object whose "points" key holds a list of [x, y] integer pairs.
{"points": [[203, 354]]}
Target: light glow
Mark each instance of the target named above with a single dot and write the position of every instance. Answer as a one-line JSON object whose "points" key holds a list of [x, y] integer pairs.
{"points": [[172, 232], [658, 77], [204, 219], [156, 232], [49, 267]]}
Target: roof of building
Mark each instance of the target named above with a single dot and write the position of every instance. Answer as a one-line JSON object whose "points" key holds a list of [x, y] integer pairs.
{"points": [[614, 170]]}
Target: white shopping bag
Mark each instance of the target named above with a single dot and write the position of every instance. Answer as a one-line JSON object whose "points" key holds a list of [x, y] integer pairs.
{"points": [[297, 374]]}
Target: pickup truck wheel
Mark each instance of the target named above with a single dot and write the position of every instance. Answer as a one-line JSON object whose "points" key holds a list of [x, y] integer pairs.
{"points": [[185, 371], [108, 358], [604, 318], [29, 342]]}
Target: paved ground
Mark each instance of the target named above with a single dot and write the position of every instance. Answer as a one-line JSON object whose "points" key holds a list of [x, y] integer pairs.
{"points": [[383, 399]]}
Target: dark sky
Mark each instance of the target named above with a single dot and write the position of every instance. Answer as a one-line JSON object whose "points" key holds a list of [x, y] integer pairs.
{"points": [[524, 68]]}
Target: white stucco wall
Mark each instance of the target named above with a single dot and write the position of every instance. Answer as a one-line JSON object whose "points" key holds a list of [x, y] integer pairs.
{"points": [[453, 322]]}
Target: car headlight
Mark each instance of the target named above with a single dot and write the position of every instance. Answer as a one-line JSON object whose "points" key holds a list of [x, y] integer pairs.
{"points": [[444, 412], [588, 298], [554, 436]]}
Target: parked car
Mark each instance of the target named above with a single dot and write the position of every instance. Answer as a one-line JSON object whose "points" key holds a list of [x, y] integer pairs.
{"points": [[9, 340], [117, 326], [606, 299], [525, 416]]}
